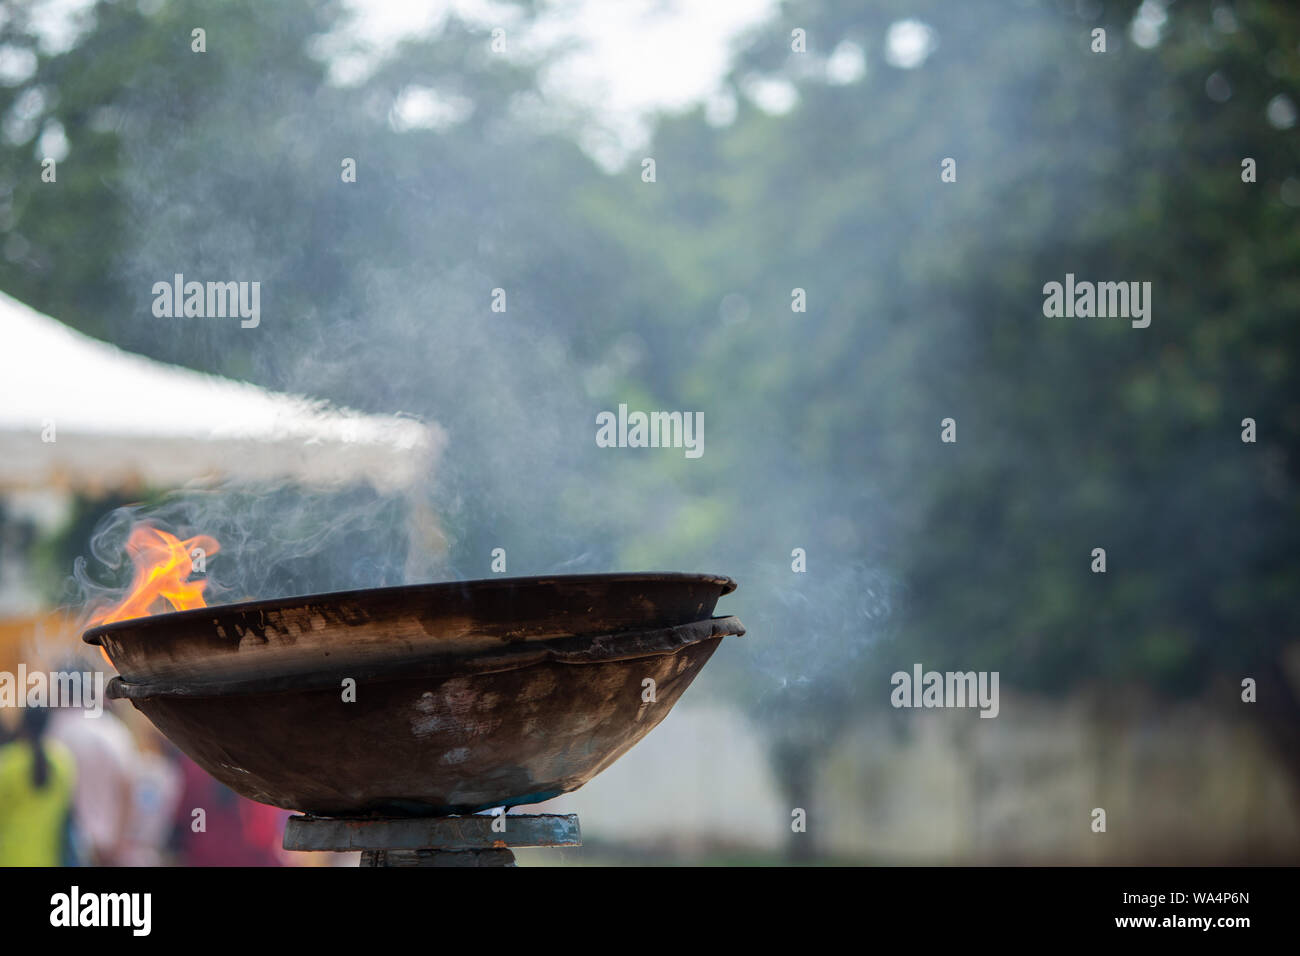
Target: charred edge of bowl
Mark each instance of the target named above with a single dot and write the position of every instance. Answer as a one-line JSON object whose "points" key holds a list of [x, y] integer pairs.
{"points": [[626, 645], [725, 584]]}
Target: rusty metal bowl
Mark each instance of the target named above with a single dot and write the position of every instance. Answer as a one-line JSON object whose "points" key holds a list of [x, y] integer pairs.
{"points": [[467, 709], [352, 628]]}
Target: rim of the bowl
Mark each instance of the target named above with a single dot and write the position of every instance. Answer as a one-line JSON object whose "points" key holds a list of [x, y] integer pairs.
{"points": [[92, 635], [609, 648]]}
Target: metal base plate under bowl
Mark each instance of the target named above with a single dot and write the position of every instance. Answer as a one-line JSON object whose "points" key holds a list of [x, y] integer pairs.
{"points": [[433, 841]]}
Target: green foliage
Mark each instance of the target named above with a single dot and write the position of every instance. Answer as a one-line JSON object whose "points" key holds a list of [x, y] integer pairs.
{"points": [[925, 302]]}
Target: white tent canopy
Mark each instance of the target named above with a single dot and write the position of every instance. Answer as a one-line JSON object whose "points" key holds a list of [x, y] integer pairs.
{"points": [[116, 417]]}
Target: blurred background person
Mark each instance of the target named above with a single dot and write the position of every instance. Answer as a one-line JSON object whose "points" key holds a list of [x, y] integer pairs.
{"points": [[37, 779], [230, 830], [155, 794], [106, 760]]}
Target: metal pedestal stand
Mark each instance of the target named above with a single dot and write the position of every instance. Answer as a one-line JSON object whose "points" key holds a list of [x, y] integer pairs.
{"points": [[433, 841]]}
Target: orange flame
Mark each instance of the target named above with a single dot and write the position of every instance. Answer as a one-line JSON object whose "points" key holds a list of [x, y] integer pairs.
{"points": [[163, 565]]}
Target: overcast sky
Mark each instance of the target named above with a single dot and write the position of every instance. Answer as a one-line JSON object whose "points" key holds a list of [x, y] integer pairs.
{"points": [[633, 56]]}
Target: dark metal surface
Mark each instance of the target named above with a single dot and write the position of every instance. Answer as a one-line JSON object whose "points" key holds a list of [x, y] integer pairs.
{"points": [[592, 649], [437, 858], [432, 833], [500, 731], [304, 635]]}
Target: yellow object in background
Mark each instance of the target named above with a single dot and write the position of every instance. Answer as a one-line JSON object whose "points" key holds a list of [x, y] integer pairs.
{"points": [[34, 820]]}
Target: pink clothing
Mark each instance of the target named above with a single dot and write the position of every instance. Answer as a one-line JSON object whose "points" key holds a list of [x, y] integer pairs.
{"points": [[236, 831]]}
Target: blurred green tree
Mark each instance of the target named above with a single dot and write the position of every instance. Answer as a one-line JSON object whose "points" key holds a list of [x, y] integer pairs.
{"points": [[925, 302]]}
